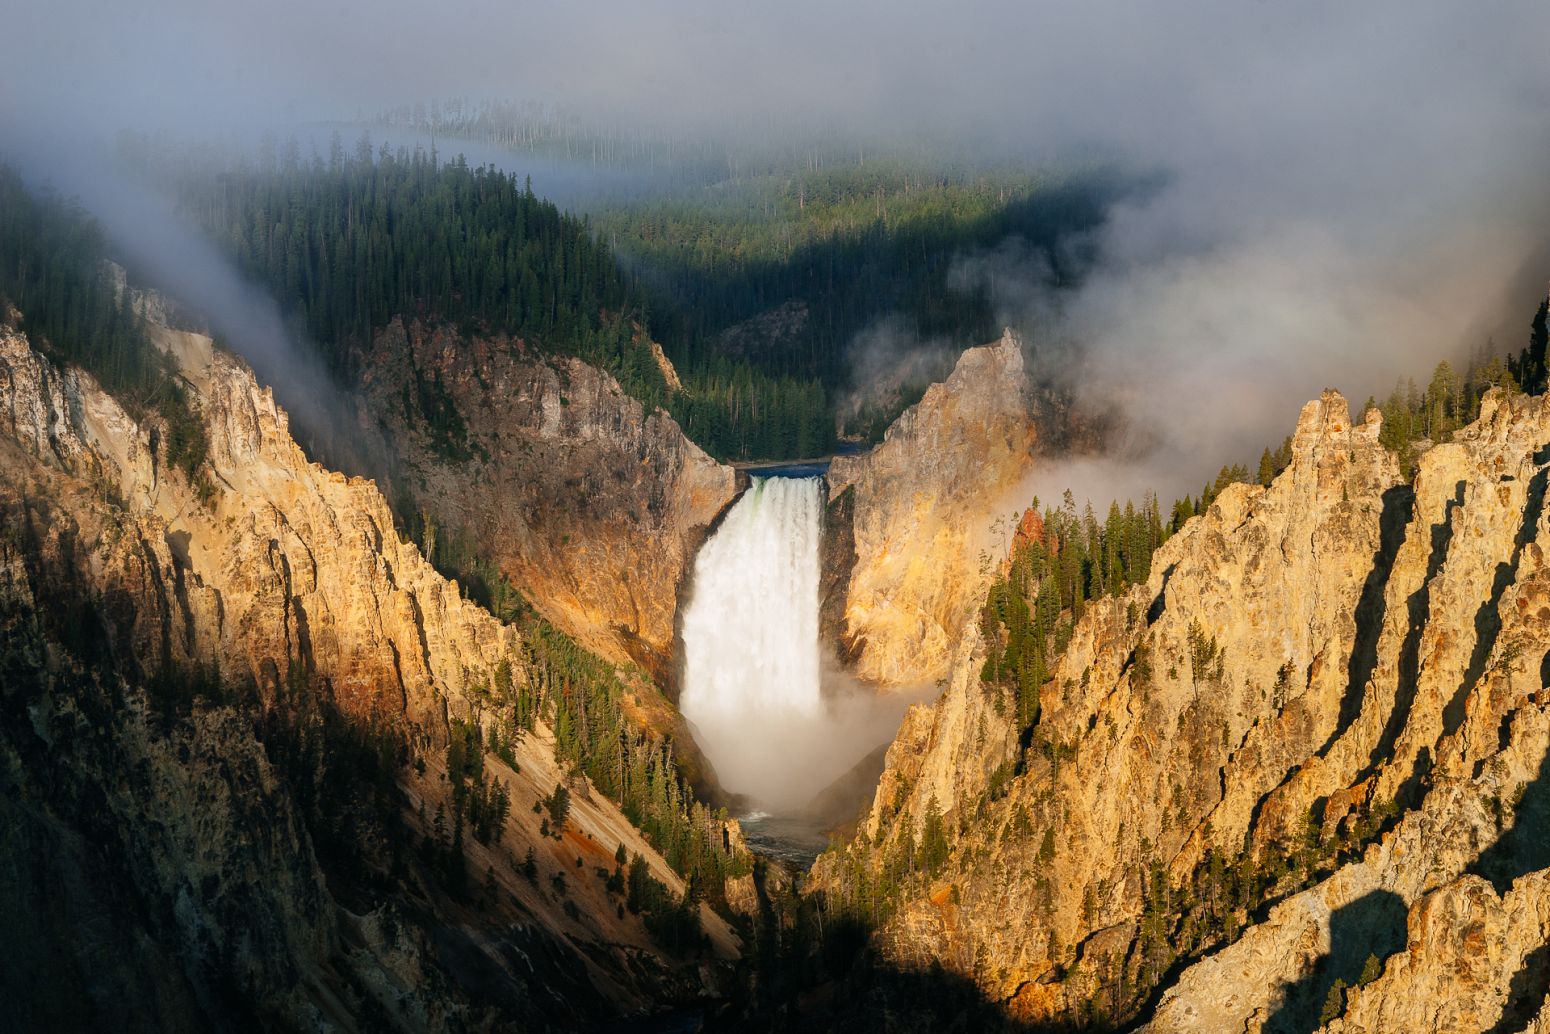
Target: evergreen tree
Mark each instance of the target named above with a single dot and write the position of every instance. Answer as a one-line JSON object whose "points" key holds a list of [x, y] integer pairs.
{"points": [[1529, 367], [1267, 467], [558, 804], [933, 840]]}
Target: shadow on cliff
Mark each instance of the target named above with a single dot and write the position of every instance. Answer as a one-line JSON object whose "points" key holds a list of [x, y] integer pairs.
{"points": [[1418, 608], [1523, 848], [1488, 619], [1398, 504], [856, 991], [1372, 926], [811, 970], [1525, 845]]}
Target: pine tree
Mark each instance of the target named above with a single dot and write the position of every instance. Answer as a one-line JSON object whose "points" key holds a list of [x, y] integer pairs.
{"points": [[933, 840], [1334, 1003], [1267, 467], [1530, 366], [558, 804]]}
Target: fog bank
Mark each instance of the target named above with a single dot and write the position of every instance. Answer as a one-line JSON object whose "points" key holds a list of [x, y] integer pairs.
{"points": [[1352, 191]]}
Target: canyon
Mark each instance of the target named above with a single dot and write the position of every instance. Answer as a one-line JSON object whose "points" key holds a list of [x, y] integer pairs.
{"points": [[978, 519], [1293, 780]]}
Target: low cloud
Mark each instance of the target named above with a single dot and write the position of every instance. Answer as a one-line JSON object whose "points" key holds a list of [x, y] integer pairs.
{"points": [[890, 362]]}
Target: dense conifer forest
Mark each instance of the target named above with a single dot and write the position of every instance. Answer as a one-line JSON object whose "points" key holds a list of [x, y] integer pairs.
{"points": [[349, 243], [776, 257], [849, 245]]}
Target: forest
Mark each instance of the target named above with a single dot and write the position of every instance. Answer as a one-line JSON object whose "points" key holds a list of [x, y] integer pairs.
{"points": [[349, 243], [849, 245], [777, 256]]}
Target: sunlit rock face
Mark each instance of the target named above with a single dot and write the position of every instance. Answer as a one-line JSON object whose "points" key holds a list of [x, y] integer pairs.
{"points": [[179, 844], [593, 507], [1342, 658], [924, 500]]}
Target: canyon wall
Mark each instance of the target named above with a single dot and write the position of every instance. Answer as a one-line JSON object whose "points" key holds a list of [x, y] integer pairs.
{"points": [[920, 508], [592, 507], [1326, 699], [180, 657]]}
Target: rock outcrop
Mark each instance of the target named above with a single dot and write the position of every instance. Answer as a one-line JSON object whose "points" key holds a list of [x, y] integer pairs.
{"points": [[174, 661], [1329, 695], [923, 501], [782, 327], [591, 506]]}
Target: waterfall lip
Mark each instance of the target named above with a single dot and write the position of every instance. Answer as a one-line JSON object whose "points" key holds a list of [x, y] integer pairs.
{"points": [[797, 469]]}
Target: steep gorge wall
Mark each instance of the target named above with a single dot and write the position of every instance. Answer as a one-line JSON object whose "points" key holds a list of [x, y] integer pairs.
{"points": [[592, 507], [916, 504], [1341, 672], [115, 575]]}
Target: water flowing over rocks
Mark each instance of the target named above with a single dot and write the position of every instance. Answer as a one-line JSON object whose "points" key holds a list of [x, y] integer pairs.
{"points": [[751, 660]]}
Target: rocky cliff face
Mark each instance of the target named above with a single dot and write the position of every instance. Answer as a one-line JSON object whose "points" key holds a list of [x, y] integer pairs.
{"points": [[1449, 907], [920, 509], [591, 506], [178, 669], [1328, 695]]}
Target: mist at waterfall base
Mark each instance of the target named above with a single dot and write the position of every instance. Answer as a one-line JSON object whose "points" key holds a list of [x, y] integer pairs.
{"points": [[775, 716]]}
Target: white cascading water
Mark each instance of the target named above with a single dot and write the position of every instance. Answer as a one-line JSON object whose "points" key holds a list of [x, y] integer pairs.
{"points": [[750, 638]]}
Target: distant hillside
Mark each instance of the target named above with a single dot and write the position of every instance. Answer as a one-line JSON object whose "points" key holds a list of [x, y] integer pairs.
{"points": [[348, 245], [777, 251]]}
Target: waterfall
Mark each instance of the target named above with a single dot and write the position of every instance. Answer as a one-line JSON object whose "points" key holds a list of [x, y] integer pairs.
{"points": [[750, 638]]}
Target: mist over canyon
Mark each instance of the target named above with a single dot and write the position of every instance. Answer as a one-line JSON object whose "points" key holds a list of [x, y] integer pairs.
{"points": [[811, 518]]}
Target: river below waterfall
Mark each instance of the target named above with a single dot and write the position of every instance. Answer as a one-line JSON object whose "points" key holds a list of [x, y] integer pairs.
{"points": [[793, 839], [783, 727]]}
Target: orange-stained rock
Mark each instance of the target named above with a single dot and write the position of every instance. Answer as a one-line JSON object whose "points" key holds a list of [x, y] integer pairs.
{"points": [[924, 502]]}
